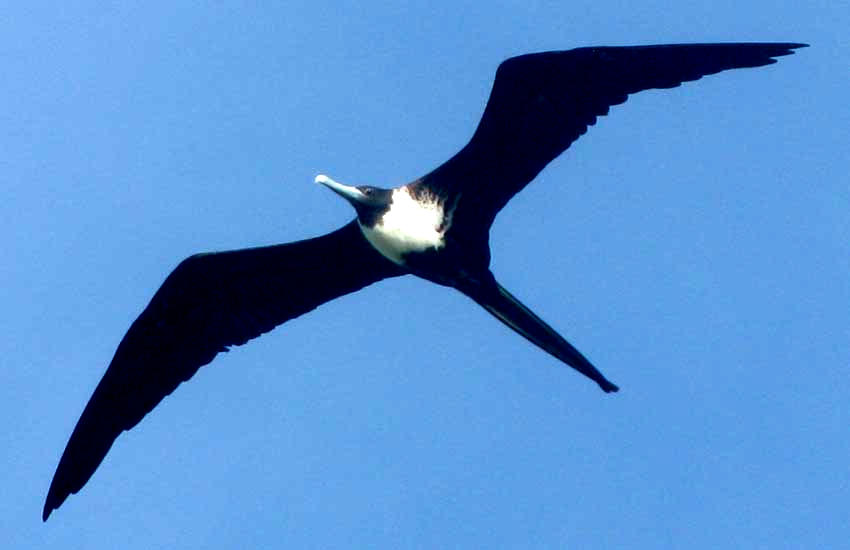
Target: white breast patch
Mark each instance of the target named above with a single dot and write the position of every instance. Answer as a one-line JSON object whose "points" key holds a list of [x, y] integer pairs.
{"points": [[408, 226]]}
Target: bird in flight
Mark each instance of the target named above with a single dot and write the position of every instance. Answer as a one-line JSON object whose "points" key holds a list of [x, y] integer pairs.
{"points": [[436, 227]]}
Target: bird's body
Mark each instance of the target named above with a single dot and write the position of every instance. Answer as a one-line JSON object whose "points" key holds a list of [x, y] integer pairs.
{"points": [[411, 225], [436, 227]]}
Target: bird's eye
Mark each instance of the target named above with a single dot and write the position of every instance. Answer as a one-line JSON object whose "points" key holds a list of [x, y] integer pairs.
{"points": [[367, 190]]}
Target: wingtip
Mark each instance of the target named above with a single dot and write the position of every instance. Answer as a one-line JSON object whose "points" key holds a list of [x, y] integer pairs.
{"points": [[795, 45], [608, 387], [787, 48], [52, 502]]}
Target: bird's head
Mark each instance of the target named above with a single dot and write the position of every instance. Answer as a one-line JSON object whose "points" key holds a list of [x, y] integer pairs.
{"points": [[369, 202]]}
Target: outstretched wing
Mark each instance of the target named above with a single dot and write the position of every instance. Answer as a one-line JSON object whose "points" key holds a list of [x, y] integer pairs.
{"points": [[209, 302], [540, 103]]}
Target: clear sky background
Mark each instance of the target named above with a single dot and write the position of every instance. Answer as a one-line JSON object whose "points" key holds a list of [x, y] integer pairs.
{"points": [[695, 244]]}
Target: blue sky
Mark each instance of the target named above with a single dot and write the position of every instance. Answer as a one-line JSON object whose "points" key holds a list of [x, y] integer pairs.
{"points": [[694, 244]]}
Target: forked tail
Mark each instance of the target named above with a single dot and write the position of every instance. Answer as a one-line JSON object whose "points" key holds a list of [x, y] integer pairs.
{"points": [[506, 308]]}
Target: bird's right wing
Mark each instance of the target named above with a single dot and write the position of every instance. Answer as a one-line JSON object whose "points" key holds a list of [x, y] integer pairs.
{"points": [[209, 302]]}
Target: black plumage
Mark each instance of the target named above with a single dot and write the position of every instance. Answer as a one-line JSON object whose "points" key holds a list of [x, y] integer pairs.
{"points": [[540, 103]]}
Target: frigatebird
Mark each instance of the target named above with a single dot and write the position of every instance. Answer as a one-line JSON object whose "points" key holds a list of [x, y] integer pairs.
{"points": [[436, 227]]}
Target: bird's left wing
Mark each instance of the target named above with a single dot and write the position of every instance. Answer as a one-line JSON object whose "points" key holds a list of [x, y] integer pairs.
{"points": [[209, 302], [542, 102]]}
